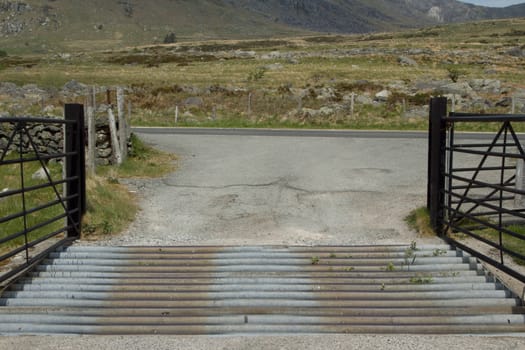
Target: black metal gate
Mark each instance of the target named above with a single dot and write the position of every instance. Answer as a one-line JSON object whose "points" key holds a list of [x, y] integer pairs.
{"points": [[476, 192], [38, 213]]}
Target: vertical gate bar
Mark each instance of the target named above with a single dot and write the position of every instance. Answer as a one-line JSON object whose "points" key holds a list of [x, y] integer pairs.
{"points": [[502, 179], [449, 171], [21, 127], [75, 167], [436, 183]]}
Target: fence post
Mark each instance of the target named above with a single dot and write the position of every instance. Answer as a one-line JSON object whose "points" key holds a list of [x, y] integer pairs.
{"points": [[92, 134], [436, 162], [75, 167], [115, 145], [122, 124]]}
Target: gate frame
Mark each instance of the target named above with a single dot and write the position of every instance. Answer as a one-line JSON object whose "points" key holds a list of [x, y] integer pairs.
{"points": [[438, 172], [74, 199]]}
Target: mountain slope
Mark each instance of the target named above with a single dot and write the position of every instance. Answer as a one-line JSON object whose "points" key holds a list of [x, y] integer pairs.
{"points": [[36, 25]]}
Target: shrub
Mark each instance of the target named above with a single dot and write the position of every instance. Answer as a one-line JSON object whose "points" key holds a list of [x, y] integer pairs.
{"points": [[170, 38]]}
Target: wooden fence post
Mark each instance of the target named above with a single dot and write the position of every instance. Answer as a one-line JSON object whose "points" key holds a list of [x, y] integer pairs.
{"points": [[249, 104], [92, 133], [122, 124]]}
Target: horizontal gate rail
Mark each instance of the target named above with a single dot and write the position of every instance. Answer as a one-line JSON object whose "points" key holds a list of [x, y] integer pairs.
{"points": [[39, 214], [474, 188]]}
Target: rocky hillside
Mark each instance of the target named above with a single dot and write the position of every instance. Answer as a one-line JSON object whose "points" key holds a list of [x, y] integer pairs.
{"points": [[43, 25]]}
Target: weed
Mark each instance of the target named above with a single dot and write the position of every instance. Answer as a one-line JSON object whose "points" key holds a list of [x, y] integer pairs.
{"points": [[419, 221], [333, 256], [383, 287], [257, 74], [112, 180], [107, 228], [314, 260], [390, 267], [421, 279], [349, 269], [439, 252], [454, 73]]}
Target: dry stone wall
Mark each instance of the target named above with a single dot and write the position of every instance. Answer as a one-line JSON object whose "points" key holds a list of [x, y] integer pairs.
{"points": [[48, 139]]}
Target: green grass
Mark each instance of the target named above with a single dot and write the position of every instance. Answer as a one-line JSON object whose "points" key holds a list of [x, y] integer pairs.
{"points": [[509, 242], [11, 179], [419, 220], [110, 205]]}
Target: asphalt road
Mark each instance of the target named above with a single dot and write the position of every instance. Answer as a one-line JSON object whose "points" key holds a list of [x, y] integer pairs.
{"points": [[304, 187]]}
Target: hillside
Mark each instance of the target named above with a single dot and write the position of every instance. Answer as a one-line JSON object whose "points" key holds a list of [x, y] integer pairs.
{"points": [[57, 25]]}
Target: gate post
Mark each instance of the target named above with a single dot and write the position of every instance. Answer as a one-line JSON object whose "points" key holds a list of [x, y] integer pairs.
{"points": [[436, 162], [75, 167]]}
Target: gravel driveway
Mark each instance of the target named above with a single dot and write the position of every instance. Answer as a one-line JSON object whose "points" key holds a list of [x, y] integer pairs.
{"points": [[280, 190]]}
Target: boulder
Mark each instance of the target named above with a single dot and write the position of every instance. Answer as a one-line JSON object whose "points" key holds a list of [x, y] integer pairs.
{"points": [[364, 99], [406, 61], [193, 102], [326, 111], [517, 51], [459, 88], [74, 87], [486, 85], [40, 174], [383, 95], [326, 93]]}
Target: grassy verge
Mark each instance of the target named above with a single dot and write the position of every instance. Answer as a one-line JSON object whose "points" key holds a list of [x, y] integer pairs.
{"points": [[10, 175], [419, 221], [512, 243], [111, 207]]}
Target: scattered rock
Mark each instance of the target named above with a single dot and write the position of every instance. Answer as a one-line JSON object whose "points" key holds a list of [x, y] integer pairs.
{"points": [[364, 100], [40, 174], [48, 110], [518, 51], [406, 61], [245, 54], [504, 102], [75, 88], [326, 93], [4, 190], [193, 102], [486, 85], [460, 88], [271, 56], [326, 111], [383, 95]]}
